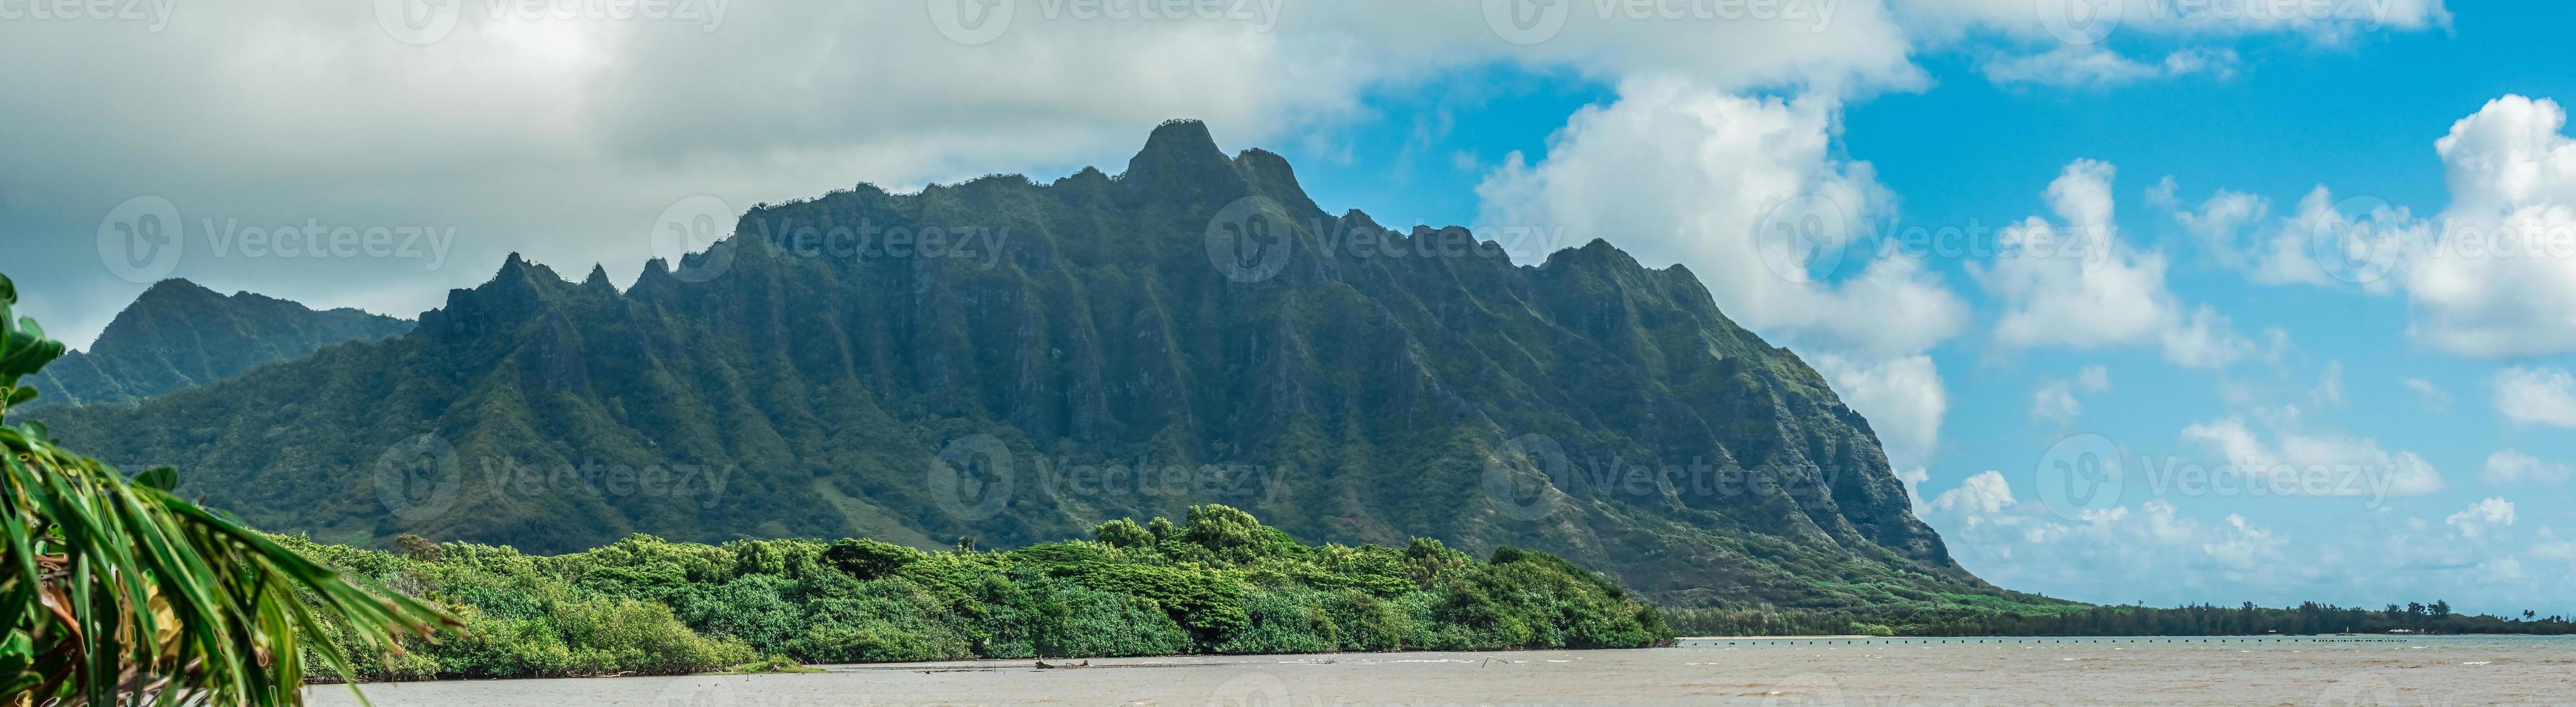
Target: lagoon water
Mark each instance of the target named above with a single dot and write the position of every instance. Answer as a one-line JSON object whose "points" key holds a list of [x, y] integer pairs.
{"points": [[2369, 670]]}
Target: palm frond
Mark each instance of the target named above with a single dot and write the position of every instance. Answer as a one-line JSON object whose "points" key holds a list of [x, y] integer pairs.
{"points": [[117, 590]]}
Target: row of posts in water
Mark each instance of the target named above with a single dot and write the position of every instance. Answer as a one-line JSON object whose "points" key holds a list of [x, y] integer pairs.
{"points": [[1930, 641]]}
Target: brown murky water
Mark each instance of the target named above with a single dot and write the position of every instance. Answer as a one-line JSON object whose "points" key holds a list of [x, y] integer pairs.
{"points": [[1849, 672]]}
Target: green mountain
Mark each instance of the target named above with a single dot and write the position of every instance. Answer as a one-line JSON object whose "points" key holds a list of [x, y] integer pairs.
{"points": [[1050, 356], [180, 334]]}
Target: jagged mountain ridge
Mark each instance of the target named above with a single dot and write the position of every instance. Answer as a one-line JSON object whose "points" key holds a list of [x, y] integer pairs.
{"points": [[1370, 397], [179, 334]]}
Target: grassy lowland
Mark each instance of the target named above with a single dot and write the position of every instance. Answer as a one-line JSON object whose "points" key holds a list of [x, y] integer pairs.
{"points": [[1218, 582]]}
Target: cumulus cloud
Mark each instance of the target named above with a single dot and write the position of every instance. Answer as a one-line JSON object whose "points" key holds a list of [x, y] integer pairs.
{"points": [[2082, 66], [2079, 286], [2500, 279], [2482, 519], [2105, 553], [2310, 462], [1901, 397], [1675, 173], [2056, 400], [2535, 396], [2095, 21], [2514, 467]]}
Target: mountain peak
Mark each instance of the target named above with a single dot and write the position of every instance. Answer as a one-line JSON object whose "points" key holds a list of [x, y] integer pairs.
{"points": [[1181, 159], [1182, 137], [176, 289]]}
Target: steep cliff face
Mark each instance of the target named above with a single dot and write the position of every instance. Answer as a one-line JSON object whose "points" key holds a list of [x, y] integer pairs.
{"points": [[1015, 362], [180, 334]]}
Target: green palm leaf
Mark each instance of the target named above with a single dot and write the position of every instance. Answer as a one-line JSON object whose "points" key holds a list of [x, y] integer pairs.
{"points": [[117, 591]]}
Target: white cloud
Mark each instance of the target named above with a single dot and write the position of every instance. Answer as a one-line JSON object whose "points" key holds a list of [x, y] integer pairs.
{"points": [[2325, 24], [2431, 396], [2536, 396], [1675, 173], [2079, 286], [2514, 467], [2501, 278], [2329, 390], [2351, 465], [2206, 340], [2056, 400], [1986, 493], [2079, 66], [2106, 553], [2482, 518], [1902, 398]]}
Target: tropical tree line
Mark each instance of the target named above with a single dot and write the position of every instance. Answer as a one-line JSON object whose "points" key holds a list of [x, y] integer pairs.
{"points": [[1217, 582]]}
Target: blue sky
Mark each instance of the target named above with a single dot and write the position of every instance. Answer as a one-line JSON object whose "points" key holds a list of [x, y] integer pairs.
{"points": [[2439, 390]]}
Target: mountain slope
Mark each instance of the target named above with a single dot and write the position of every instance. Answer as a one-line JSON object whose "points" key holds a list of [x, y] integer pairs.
{"points": [[179, 334], [1351, 383]]}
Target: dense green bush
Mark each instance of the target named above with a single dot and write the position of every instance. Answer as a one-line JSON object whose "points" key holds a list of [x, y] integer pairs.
{"points": [[1220, 583]]}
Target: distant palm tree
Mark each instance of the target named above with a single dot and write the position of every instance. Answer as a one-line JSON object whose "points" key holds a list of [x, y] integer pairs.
{"points": [[115, 590]]}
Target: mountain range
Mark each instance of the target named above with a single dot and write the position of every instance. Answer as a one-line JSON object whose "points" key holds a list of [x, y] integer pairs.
{"points": [[1008, 362], [179, 334]]}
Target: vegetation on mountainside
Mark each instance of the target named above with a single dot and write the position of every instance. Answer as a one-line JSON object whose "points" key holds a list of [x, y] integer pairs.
{"points": [[808, 376], [1219, 582], [117, 591]]}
